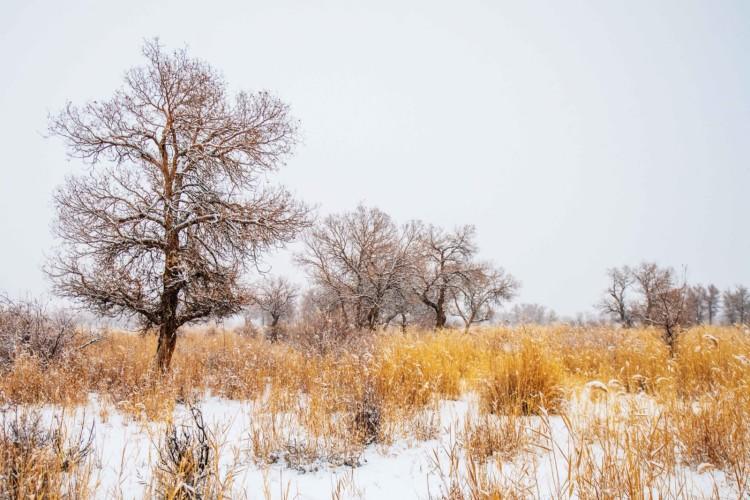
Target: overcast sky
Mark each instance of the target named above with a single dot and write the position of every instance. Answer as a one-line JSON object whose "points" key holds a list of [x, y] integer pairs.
{"points": [[574, 135]]}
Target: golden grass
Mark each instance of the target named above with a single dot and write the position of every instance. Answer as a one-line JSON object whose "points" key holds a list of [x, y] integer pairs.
{"points": [[385, 386]]}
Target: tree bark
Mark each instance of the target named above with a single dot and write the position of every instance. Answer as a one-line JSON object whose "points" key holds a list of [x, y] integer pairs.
{"points": [[440, 319], [169, 300], [274, 329], [165, 348]]}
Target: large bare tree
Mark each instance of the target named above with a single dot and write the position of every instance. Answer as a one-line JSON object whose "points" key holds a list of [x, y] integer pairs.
{"points": [[175, 207]]}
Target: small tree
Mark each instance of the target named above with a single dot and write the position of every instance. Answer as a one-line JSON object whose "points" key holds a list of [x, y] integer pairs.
{"points": [[30, 327], [166, 225], [669, 311], [275, 299], [525, 314]]}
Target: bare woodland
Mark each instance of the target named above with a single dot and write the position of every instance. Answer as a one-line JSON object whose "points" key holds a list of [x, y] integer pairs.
{"points": [[173, 217], [372, 346]]}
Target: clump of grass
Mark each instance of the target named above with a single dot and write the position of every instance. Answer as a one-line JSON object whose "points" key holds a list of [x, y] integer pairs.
{"points": [[622, 452], [463, 476], [522, 381], [715, 430], [710, 360], [498, 436]]}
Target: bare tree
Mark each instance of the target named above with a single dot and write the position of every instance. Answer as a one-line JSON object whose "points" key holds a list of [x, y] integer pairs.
{"points": [[166, 225], [713, 296], [650, 280], [363, 259], [663, 300], [669, 311], [443, 260], [736, 304], [275, 299], [320, 326], [695, 304], [615, 302], [479, 291]]}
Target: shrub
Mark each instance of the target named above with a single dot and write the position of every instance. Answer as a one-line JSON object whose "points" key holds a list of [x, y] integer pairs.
{"points": [[186, 462], [28, 327], [41, 461]]}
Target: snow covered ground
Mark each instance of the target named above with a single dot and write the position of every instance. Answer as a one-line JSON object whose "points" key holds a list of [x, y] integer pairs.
{"points": [[126, 450]]}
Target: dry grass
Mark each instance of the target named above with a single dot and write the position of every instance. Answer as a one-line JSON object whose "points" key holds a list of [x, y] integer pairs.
{"points": [[522, 379], [43, 460], [324, 406]]}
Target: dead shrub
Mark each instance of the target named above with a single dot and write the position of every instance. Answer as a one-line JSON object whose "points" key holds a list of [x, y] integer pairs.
{"points": [[368, 415], [500, 436], [186, 461]]}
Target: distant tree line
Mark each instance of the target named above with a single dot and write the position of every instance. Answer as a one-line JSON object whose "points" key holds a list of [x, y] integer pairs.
{"points": [[368, 273], [176, 209], [652, 295]]}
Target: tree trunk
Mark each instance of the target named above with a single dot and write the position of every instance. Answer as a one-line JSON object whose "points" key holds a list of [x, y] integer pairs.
{"points": [[274, 329], [165, 346], [440, 317], [373, 315], [168, 328], [440, 320], [669, 338]]}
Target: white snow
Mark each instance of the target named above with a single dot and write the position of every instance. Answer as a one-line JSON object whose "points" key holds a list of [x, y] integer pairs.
{"points": [[126, 451]]}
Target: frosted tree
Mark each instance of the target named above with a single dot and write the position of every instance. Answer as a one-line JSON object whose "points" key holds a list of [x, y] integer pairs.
{"points": [[650, 280], [174, 207]]}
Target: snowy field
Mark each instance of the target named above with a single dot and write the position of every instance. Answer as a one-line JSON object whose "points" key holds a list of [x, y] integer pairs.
{"points": [[125, 451]]}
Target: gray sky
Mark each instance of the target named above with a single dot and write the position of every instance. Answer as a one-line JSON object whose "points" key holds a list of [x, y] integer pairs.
{"points": [[574, 135]]}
